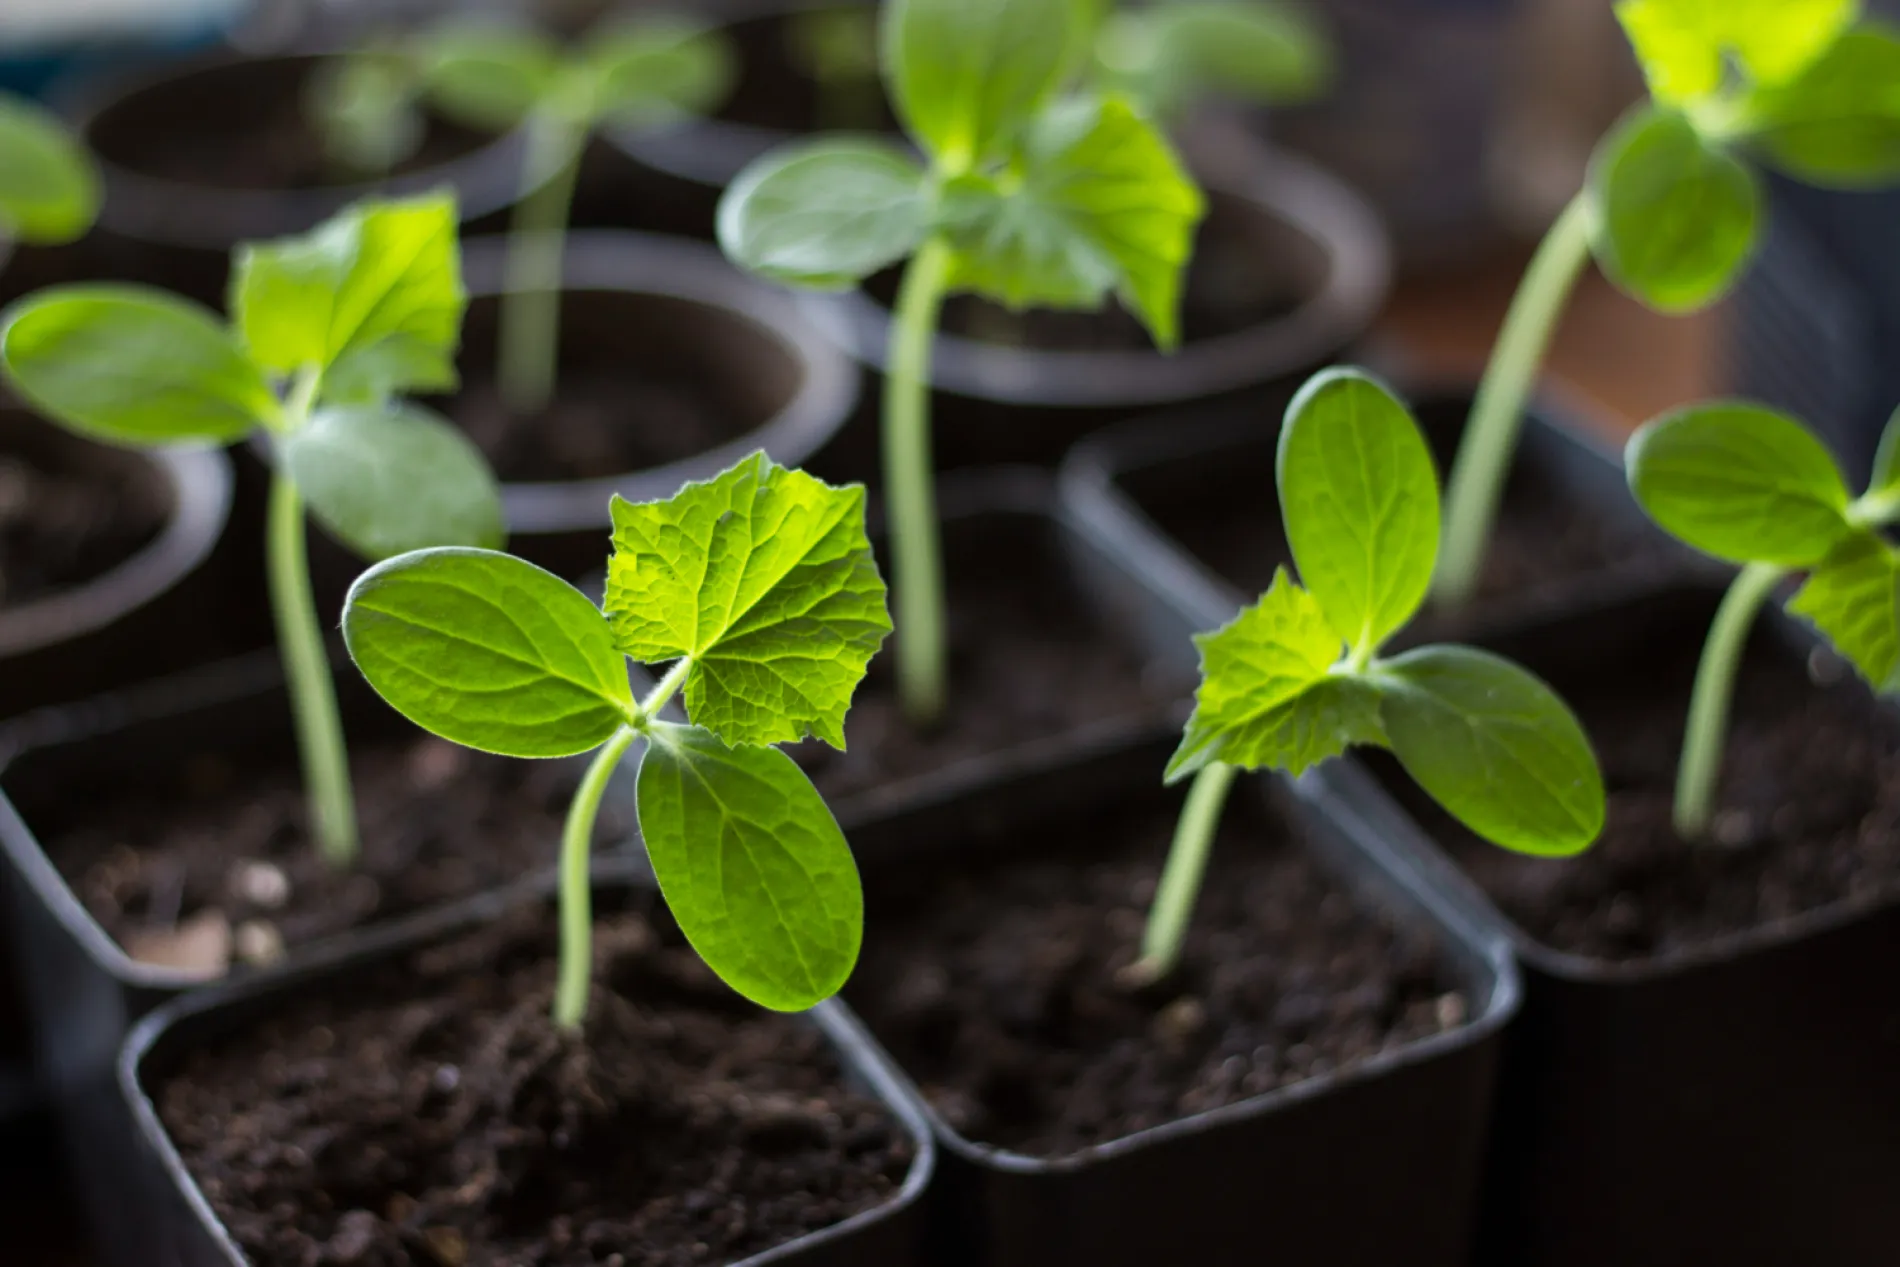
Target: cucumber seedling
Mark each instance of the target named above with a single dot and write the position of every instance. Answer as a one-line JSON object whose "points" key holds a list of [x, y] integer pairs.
{"points": [[1022, 194], [495, 78], [1755, 488], [1672, 208], [1171, 53], [49, 188], [1299, 677], [325, 329], [760, 590], [366, 106]]}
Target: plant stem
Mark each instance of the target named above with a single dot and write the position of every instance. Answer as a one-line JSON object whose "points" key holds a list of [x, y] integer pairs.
{"points": [[1707, 734], [663, 693], [1180, 885], [577, 899], [1484, 455], [530, 338], [909, 496]]}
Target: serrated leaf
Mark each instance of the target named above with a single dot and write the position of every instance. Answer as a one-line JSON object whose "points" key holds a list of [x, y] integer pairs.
{"points": [[1838, 123], [487, 75], [373, 297], [390, 478], [967, 76], [765, 578], [1359, 495], [825, 215], [753, 866], [1853, 598], [1167, 55], [658, 68], [488, 651], [1268, 698], [132, 366], [1683, 44], [1675, 220], [1495, 747], [49, 189], [1102, 204], [1740, 482]]}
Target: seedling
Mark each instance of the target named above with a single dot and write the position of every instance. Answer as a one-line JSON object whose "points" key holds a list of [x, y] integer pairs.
{"points": [[1755, 488], [1170, 53], [49, 189], [495, 78], [1671, 209], [760, 588], [1299, 677], [325, 329], [1022, 195], [366, 105]]}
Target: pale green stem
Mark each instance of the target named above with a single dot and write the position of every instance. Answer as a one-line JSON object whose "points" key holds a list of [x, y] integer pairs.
{"points": [[530, 337], [1707, 734], [909, 496], [663, 693], [1180, 885], [1484, 454], [577, 898]]}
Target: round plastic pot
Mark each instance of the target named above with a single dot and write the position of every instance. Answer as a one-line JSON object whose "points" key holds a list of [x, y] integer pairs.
{"points": [[183, 1231], [1737, 1104]]}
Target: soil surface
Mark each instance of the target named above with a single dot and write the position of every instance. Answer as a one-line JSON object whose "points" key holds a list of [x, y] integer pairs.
{"points": [[432, 1114], [995, 985], [221, 867], [1809, 816], [67, 517], [597, 426]]}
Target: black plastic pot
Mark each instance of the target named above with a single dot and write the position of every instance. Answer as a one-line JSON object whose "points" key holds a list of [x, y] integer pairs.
{"points": [[1736, 1104], [182, 1230]]}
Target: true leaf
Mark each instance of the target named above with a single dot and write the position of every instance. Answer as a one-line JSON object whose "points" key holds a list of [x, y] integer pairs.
{"points": [[753, 866], [826, 215], [488, 651], [49, 192], [1495, 747], [968, 75], [133, 366], [1838, 123], [373, 297], [765, 578], [1853, 598], [1740, 482], [390, 478], [1683, 44], [1360, 499], [655, 69], [489, 76], [1675, 219]]}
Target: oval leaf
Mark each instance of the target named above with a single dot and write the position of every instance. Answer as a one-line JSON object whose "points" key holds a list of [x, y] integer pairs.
{"points": [[489, 651], [753, 866], [1169, 55], [133, 366], [1838, 124], [390, 478], [49, 191], [657, 68], [1496, 748], [1675, 220], [1740, 482], [968, 75], [825, 215], [488, 75], [1360, 498]]}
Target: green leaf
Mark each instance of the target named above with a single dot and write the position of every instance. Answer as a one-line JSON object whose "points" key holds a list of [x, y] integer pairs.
{"points": [[373, 297], [657, 69], [1853, 598], [390, 478], [1740, 482], [487, 75], [132, 366], [1496, 748], [488, 651], [365, 106], [1886, 478], [753, 866], [1360, 498], [49, 191], [1837, 124], [1675, 220], [765, 578], [968, 75], [1683, 44], [1102, 204], [1268, 697], [827, 214], [1168, 55]]}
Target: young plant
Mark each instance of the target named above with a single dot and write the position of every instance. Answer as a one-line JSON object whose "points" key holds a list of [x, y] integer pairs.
{"points": [[1671, 209], [760, 589], [1170, 53], [1755, 488], [325, 329], [1299, 677], [366, 105], [495, 78], [49, 189], [1021, 195]]}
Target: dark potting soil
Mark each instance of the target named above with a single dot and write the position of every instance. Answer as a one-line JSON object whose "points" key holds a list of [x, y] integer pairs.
{"points": [[776, 89], [597, 426], [70, 511], [1808, 817], [995, 985], [433, 1114], [221, 866]]}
